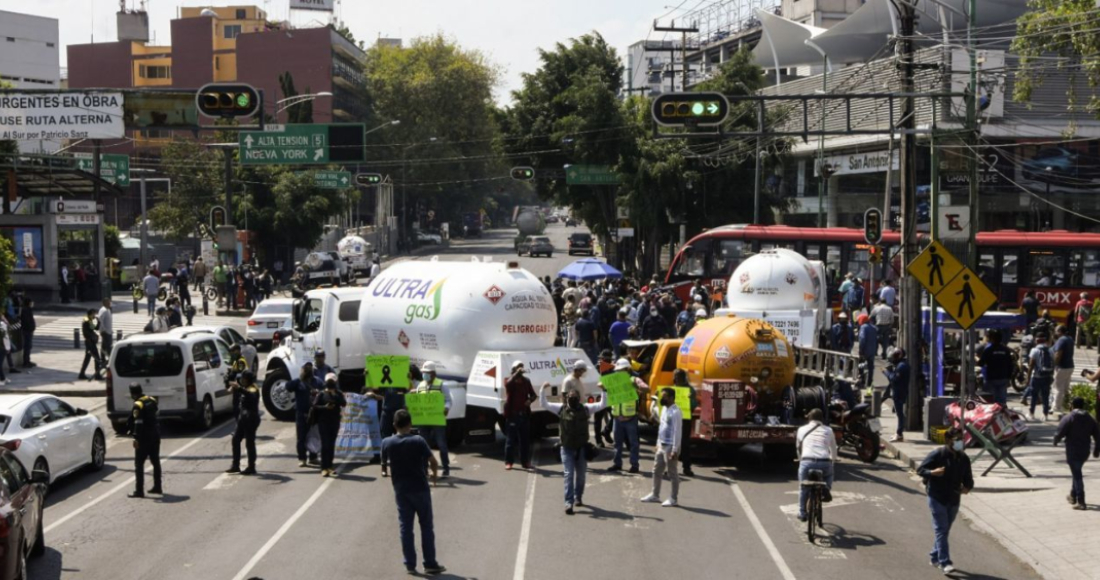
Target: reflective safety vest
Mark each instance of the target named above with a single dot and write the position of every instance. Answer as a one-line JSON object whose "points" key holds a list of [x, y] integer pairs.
{"points": [[424, 387], [625, 409]]}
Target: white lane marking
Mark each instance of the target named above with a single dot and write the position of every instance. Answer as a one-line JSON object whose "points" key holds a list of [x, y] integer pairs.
{"points": [[122, 485], [286, 527], [528, 509], [263, 451], [761, 533]]}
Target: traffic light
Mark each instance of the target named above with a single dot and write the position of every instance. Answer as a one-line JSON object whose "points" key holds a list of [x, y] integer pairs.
{"points": [[875, 254], [368, 179], [690, 109], [219, 101], [523, 173], [872, 225]]}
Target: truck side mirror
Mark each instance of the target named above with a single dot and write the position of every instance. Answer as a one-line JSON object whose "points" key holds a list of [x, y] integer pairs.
{"points": [[296, 314]]}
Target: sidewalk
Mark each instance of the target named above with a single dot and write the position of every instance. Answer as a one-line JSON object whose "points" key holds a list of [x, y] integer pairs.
{"points": [[1029, 516]]}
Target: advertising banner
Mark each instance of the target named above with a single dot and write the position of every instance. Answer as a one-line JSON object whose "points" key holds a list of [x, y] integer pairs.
{"points": [[27, 242], [325, 5]]}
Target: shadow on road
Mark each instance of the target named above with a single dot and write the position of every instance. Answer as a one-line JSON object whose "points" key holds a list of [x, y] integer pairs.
{"points": [[841, 539], [48, 566]]}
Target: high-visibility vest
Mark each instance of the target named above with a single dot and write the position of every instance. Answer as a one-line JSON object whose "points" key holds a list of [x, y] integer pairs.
{"points": [[625, 409]]}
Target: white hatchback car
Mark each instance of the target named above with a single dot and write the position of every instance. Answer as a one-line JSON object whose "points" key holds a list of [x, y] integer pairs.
{"points": [[184, 370], [51, 435], [270, 315]]}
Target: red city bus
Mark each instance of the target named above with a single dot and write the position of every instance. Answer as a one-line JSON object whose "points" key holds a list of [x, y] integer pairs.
{"points": [[1058, 265]]}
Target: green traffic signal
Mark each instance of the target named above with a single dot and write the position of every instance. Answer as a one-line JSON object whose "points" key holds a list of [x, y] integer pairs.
{"points": [[697, 109], [243, 100], [523, 173]]}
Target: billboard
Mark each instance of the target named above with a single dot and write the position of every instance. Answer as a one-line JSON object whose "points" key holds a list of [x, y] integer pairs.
{"points": [[30, 116], [326, 5], [27, 245]]}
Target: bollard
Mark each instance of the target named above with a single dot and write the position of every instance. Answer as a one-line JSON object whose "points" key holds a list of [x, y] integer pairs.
{"points": [[135, 305], [76, 338], [118, 335], [205, 305]]}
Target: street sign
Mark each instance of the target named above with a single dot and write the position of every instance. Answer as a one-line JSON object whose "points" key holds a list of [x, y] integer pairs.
{"points": [[112, 167], [217, 217], [332, 179], [966, 298], [872, 226], [934, 268], [590, 175], [954, 222], [690, 109], [368, 179], [308, 144]]}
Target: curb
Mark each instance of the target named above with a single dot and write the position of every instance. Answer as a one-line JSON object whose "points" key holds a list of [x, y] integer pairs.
{"points": [[102, 392]]}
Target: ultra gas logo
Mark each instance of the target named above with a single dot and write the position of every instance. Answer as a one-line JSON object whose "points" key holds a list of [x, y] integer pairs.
{"points": [[427, 293]]}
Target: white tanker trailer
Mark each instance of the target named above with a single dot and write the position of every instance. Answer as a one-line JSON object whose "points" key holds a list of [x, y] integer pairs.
{"points": [[457, 314]]}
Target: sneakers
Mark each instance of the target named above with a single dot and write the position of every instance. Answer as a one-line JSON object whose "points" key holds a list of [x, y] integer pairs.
{"points": [[437, 569], [615, 468], [651, 499], [156, 490], [446, 473], [689, 473], [135, 495], [802, 518], [633, 469], [948, 569], [527, 466], [1072, 500], [669, 503], [233, 469], [1030, 417], [579, 502], [1080, 507], [249, 471], [897, 439], [508, 467], [326, 472], [569, 510], [303, 463]]}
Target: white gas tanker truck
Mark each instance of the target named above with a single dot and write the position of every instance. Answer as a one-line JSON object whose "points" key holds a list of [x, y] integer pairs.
{"points": [[473, 319]]}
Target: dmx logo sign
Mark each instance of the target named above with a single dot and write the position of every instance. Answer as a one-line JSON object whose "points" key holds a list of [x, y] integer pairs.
{"points": [[426, 295]]}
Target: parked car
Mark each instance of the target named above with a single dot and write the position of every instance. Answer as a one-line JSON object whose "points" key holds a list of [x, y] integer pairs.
{"points": [[536, 246], [580, 243], [230, 336], [184, 369], [51, 435], [22, 500], [551, 219], [570, 222], [270, 315], [423, 238]]}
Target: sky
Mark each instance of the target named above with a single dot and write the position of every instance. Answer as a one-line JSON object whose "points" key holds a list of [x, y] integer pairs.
{"points": [[509, 32]]}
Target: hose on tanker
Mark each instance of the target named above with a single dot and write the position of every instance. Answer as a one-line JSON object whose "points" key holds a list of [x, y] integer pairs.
{"points": [[798, 401]]}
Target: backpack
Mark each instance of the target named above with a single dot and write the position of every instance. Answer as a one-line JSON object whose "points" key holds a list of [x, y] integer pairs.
{"points": [[573, 428], [1084, 313], [855, 295], [1045, 368]]}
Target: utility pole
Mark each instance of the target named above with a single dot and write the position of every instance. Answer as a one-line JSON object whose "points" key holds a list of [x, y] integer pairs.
{"points": [[910, 290], [972, 169], [683, 30]]}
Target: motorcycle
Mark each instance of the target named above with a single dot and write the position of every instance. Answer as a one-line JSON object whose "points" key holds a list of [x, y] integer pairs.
{"points": [[858, 429]]}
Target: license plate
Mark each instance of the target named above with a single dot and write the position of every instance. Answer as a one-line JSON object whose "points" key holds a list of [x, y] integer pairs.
{"points": [[273, 325], [875, 425]]}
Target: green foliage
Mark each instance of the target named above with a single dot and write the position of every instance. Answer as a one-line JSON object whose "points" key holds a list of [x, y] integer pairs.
{"points": [[1064, 28], [111, 241], [197, 175], [7, 265], [1086, 392], [299, 112]]}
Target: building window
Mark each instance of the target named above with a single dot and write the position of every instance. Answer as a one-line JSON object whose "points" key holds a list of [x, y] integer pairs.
{"points": [[232, 30], [154, 72], [241, 14], [217, 63], [49, 44]]}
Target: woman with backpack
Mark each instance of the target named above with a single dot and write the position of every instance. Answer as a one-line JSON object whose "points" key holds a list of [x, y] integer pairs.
{"points": [[573, 429], [1040, 375]]}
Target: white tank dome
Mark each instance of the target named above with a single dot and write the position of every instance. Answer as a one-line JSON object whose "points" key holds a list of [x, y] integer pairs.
{"points": [[778, 279]]}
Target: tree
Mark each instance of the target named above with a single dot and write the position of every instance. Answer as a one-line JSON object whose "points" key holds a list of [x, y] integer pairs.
{"points": [[7, 265], [300, 112], [1064, 28], [112, 242], [197, 174], [286, 208], [343, 30]]}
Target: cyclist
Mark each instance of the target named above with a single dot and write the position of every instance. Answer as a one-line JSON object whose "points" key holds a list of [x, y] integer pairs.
{"points": [[816, 450]]}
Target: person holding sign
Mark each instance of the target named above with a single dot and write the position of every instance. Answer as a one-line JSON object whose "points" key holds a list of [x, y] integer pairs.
{"points": [[304, 388], [389, 390], [432, 383], [573, 431], [327, 405], [667, 454], [626, 418], [518, 396], [410, 456], [682, 387]]}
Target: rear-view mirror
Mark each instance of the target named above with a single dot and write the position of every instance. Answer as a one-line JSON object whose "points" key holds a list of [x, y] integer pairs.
{"points": [[81, 412]]}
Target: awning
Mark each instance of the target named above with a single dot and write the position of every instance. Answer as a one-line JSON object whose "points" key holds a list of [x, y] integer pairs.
{"points": [[53, 180], [784, 41]]}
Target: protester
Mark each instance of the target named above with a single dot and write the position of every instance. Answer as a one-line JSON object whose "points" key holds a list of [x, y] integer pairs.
{"points": [[816, 446], [91, 352], [679, 379], [392, 400], [198, 272], [666, 456], [998, 366], [587, 336], [1040, 375], [1030, 305], [1077, 428], [160, 322], [898, 374], [626, 421], [248, 421], [573, 432], [143, 425], [882, 315], [574, 380], [408, 457], [604, 422], [840, 335], [947, 475], [327, 406], [888, 294], [619, 331], [518, 396], [853, 298], [304, 387], [1082, 311], [432, 382]]}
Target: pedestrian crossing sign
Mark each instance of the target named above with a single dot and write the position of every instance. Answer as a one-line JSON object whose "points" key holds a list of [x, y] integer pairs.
{"points": [[934, 268], [965, 298]]}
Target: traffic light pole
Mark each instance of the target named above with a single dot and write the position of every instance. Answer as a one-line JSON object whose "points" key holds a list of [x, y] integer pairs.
{"points": [[910, 290]]}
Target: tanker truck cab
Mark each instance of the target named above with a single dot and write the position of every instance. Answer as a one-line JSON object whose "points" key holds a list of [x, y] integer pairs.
{"points": [[654, 361], [324, 319]]}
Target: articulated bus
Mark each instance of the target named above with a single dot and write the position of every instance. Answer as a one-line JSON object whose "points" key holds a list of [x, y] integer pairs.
{"points": [[1058, 265]]}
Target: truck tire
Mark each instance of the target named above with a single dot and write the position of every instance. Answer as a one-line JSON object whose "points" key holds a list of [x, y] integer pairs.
{"points": [[277, 401], [456, 433]]}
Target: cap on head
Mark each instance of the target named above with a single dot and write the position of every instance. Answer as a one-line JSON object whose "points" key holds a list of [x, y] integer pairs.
{"points": [[307, 365], [248, 376], [863, 318], [701, 313], [842, 316], [517, 365], [319, 354], [135, 388], [622, 364], [580, 366], [330, 377], [428, 367]]}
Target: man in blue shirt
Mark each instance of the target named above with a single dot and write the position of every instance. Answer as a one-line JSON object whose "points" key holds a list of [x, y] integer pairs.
{"points": [[868, 346], [408, 457], [840, 336], [1063, 368], [620, 331], [898, 373], [320, 369], [887, 293], [303, 388]]}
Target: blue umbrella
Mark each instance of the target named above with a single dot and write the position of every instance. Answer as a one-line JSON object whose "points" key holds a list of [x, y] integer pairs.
{"points": [[589, 269]]}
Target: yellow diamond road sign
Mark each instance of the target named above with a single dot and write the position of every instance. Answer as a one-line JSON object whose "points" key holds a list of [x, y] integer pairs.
{"points": [[966, 298], [934, 268]]}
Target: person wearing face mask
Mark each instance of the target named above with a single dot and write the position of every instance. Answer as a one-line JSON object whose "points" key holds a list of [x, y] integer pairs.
{"points": [[573, 430], [947, 476], [666, 457]]}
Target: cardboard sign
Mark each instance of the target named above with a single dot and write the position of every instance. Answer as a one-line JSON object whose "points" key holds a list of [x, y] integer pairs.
{"points": [[620, 388], [387, 371], [683, 400], [427, 409], [359, 430]]}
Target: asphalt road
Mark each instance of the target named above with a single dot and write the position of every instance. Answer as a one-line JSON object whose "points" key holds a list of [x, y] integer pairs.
{"points": [[737, 517]]}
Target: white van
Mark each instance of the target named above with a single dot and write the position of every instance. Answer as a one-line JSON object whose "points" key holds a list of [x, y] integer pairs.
{"points": [[185, 370]]}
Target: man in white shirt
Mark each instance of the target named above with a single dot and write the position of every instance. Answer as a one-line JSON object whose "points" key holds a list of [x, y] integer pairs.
{"points": [[151, 285], [816, 450], [573, 381], [106, 329], [883, 317], [666, 458]]}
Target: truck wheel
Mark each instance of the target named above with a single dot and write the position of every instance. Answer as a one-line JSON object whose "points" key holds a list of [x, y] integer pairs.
{"points": [[277, 400], [456, 433]]}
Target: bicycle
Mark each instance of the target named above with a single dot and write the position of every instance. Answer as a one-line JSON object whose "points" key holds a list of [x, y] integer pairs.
{"points": [[815, 480]]}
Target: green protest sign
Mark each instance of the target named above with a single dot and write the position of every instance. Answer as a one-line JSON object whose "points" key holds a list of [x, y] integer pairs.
{"points": [[387, 372], [683, 400], [620, 388], [427, 409]]}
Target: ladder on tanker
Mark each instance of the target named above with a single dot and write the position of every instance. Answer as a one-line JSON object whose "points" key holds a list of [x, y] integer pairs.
{"points": [[816, 366]]}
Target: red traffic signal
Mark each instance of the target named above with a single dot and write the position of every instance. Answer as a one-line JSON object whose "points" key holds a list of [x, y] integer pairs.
{"points": [[217, 100]]}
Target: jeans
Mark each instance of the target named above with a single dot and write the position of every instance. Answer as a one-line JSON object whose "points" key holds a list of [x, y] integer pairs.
{"points": [[943, 516], [804, 468], [999, 389], [1040, 391], [1077, 490], [899, 409], [884, 337], [574, 464], [146, 450], [301, 421], [661, 464], [626, 432], [439, 435], [418, 505], [151, 304], [518, 431]]}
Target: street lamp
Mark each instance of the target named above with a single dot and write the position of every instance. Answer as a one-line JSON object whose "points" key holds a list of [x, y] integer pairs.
{"points": [[404, 207], [384, 125], [298, 99]]}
